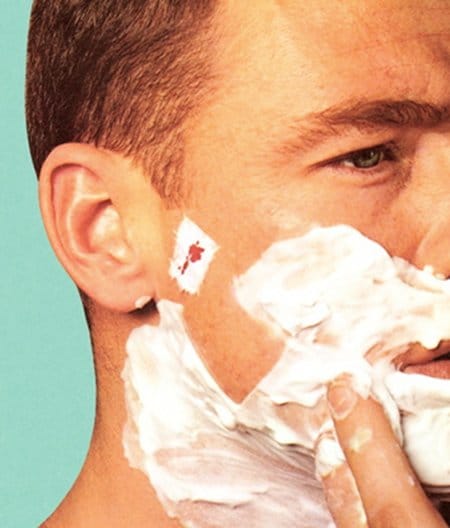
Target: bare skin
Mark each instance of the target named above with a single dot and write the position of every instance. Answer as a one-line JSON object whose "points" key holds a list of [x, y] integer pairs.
{"points": [[300, 131]]}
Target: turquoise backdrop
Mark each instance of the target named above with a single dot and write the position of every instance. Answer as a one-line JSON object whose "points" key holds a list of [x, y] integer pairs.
{"points": [[46, 373]]}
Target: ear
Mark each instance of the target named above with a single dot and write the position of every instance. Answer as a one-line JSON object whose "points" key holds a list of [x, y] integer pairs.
{"points": [[90, 200]]}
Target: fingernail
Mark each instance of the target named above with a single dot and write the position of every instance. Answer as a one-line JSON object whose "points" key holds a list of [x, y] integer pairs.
{"points": [[341, 399]]}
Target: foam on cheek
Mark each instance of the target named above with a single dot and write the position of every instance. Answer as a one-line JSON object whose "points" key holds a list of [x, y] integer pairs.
{"points": [[334, 296], [193, 253]]}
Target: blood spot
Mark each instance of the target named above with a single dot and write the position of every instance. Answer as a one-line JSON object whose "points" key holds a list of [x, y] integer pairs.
{"points": [[194, 254]]}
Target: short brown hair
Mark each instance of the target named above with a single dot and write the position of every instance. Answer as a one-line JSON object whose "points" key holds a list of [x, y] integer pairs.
{"points": [[120, 74]]}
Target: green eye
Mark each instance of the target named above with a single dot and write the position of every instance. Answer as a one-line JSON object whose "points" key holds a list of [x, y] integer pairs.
{"points": [[365, 159]]}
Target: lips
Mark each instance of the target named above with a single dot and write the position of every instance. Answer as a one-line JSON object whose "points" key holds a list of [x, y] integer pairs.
{"points": [[419, 360]]}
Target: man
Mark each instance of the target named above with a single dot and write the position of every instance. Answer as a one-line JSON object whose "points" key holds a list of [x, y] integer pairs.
{"points": [[255, 120]]}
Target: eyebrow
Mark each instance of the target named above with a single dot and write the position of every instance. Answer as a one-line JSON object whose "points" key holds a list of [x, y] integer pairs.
{"points": [[317, 127]]}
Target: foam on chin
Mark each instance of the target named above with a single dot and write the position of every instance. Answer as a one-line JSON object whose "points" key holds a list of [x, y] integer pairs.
{"points": [[207, 464], [334, 296]]}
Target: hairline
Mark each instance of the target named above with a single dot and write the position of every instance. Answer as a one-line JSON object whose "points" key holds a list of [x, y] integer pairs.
{"points": [[166, 149]]}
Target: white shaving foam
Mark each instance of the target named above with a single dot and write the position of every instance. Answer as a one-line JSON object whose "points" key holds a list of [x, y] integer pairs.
{"points": [[334, 296], [193, 253]]}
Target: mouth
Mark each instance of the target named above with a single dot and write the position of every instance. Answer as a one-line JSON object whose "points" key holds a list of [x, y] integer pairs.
{"points": [[419, 360]]}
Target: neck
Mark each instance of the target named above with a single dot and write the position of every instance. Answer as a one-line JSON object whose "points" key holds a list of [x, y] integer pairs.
{"points": [[108, 492]]}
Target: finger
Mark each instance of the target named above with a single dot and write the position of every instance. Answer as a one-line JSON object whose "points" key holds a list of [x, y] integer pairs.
{"points": [[389, 489], [343, 498]]}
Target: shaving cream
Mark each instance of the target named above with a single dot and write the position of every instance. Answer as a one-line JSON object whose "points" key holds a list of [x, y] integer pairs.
{"points": [[337, 299]]}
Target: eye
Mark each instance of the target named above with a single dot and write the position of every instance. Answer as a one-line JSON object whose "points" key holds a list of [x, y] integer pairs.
{"points": [[370, 165], [366, 159]]}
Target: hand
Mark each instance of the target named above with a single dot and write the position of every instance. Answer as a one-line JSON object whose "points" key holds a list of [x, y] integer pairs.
{"points": [[377, 477]]}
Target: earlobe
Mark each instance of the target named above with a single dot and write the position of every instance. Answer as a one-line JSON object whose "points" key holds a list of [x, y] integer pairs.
{"points": [[86, 227]]}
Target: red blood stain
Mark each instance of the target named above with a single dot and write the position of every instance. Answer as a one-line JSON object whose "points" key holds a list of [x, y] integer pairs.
{"points": [[194, 254]]}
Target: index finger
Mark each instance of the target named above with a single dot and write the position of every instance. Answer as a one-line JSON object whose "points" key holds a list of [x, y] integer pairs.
{"points": [[389, 489]]}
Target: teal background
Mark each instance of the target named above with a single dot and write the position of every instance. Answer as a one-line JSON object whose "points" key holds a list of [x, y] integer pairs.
{"points": [[46, 373]]}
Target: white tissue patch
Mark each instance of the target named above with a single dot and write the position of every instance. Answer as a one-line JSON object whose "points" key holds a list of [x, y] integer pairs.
{"points": [[193, 253], [334, 296]]}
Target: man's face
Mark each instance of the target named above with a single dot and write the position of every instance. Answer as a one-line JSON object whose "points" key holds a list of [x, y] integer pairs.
{"points": [[326, 112]]}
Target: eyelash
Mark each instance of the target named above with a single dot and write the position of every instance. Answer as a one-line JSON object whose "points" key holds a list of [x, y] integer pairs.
{"points": [[388, 151]]}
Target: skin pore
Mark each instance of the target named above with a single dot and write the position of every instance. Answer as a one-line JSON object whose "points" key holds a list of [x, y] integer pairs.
{"points": [[324, 115]]}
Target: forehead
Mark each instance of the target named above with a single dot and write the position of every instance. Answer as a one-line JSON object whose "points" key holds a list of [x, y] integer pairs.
{"points": [[328, 47], [350, 23]]}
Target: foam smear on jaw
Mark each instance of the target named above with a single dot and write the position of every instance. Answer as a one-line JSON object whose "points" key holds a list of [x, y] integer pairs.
{"points": [[334, 296]]}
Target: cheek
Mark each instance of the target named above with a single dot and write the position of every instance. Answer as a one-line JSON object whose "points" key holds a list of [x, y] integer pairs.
{"points": [[237, 350], [324, 201], [387, 213], [288, 205]]}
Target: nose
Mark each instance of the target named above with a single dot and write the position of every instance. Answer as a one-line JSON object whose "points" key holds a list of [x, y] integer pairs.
{"points": [[434, 249], [432, 168]]}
